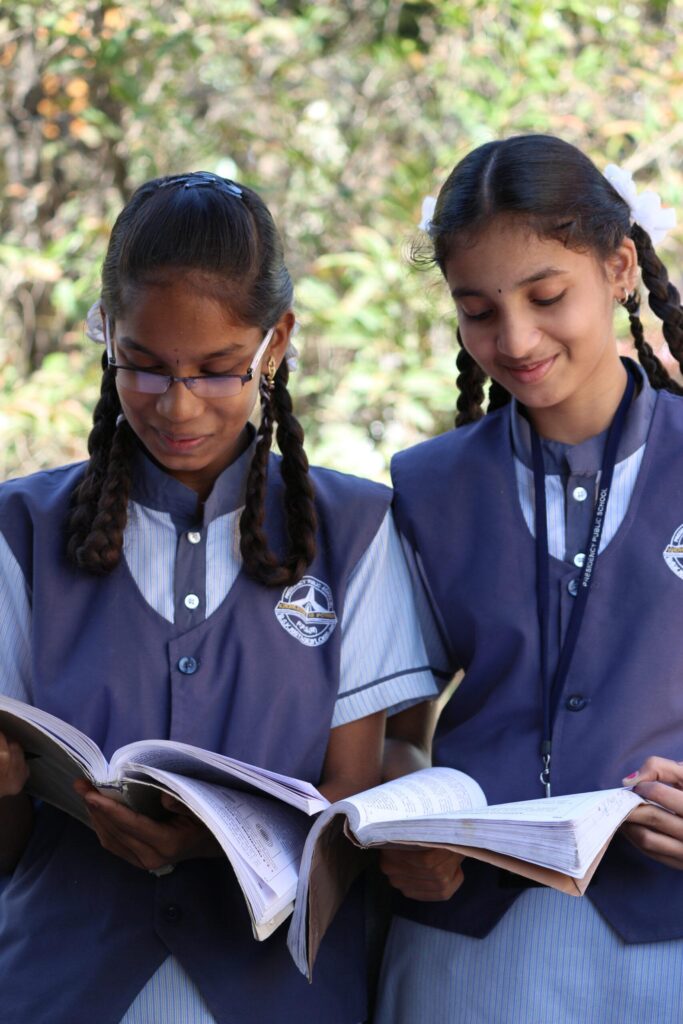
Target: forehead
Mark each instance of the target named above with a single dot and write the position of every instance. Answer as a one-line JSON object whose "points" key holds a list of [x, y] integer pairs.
{"points": [[181, 325], [507, 253], [174, 309]]}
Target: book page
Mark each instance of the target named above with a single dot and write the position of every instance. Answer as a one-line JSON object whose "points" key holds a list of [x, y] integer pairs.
{"points": [[36, 730], [56, 752], [430, 791], [262, 838], [563, 833], [194, 762]]}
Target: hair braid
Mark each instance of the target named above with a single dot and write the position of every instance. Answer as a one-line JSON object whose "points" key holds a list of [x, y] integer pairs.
{"points": [[665, 302], [656, 372], [498, 396], [100, 502], [302, 520], [259, 561], [470, 383]]}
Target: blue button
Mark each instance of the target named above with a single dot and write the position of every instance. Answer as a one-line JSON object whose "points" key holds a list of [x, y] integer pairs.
{"points": [[188, 666], [576, 702]]}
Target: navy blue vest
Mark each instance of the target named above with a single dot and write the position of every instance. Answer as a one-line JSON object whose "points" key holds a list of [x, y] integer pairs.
{"points": [[456, 502], [81, 931]]}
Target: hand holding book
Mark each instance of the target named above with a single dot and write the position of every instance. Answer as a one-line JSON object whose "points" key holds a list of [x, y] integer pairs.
{"points": [[423, 874], [13, 767], [656, 826], [143, 841]]}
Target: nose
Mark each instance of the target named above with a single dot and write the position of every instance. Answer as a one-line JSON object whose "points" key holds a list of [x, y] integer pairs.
{"points": [[178, 403], [517, 335]]}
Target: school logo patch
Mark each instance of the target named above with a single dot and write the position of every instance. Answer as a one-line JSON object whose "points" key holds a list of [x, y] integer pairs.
{"points": [[306, 611], [673, 552]]}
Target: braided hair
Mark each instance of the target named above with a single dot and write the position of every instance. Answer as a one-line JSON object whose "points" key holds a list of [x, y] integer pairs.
{"points": [[222, 236], [561, 195]]}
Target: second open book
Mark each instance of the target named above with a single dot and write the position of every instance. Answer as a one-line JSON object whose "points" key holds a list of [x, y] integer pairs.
{"points": [[557, 841]]}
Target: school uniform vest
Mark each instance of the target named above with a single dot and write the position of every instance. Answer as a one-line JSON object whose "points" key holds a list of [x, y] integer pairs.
{"points": [[81, 931], [456, 502]]}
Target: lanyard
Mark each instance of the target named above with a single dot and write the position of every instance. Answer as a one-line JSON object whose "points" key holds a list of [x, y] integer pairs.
{"points": [[552, 688]]}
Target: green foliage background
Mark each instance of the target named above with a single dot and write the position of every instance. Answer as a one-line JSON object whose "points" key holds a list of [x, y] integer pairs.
{"points": [[343, 115]]}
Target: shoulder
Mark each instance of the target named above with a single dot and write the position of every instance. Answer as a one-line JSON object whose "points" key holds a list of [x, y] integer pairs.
{"points": [[330, 485], [671, 404], [45, 481], [41, 493], [450, 451]]}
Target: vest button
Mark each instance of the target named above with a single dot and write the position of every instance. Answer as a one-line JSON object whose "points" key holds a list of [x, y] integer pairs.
{"points": [[573, 587], [172, 912], [576, 702], [194, 537], [188, 666]]}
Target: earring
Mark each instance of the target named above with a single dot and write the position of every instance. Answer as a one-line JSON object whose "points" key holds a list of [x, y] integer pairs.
{"points": [[270, 376], [624, 298], [268, 380]]}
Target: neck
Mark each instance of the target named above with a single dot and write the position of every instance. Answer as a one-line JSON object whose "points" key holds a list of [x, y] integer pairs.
{"points": [[585, 414]]}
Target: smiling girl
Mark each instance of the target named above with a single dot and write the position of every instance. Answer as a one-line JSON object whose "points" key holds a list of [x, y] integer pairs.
{"points": [[545, 536], [186, 583]]}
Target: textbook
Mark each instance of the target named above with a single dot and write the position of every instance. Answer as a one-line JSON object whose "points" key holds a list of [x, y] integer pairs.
{"points": [[556, 841], [260, 818]]}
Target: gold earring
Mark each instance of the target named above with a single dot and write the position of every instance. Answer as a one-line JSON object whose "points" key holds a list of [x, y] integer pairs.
{"points": [[271, 369]]}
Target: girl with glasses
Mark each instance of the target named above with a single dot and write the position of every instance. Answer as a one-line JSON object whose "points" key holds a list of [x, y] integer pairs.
{"points": [[547, 529], [187, 583]]}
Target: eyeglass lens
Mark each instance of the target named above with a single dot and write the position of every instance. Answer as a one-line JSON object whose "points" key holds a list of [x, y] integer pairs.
{"points": [[158, 383]]}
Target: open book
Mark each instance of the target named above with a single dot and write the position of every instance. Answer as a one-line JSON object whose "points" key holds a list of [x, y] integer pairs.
{"points": [[557, 841], [261, 820]]}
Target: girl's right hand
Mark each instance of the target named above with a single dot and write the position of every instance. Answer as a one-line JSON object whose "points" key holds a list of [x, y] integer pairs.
{"points": [[423, 874], [13, 767]]}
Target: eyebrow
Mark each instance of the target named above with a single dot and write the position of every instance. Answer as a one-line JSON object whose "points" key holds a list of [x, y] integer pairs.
{"points": [[539, 275], [137, 347]]}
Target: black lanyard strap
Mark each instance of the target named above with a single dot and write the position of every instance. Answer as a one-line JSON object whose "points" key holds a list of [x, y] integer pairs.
{"points": [[551, 688]]}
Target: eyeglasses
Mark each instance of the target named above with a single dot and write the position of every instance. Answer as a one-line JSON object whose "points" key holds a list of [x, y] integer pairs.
{"points": [[219, 385]]}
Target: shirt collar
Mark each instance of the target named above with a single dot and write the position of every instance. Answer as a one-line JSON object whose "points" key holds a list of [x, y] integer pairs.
{"points": [[586, 458], [156, 489]]}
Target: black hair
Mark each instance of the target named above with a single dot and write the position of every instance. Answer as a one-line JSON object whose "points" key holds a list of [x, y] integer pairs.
{"points": [[223, 237], [560, 194]]}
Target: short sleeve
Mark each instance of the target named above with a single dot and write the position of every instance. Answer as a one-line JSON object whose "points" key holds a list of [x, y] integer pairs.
{"points": [[15, 627], [383, 659]]}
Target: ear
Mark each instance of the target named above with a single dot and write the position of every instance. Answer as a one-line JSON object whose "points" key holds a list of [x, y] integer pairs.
{"points": [[281, 338], [622, 268]]}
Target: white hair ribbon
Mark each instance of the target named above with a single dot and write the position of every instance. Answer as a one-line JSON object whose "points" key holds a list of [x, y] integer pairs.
{"points": [[428, 207], [93, 323], [646, 207]]}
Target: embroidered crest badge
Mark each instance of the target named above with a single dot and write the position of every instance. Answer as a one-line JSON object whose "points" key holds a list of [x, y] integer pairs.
{"points": [[673, 552], [306, 611]]}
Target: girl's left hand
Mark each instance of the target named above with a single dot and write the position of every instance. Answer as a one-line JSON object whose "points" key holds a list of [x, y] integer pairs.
{"points": [[658, 831], [140, 840]]}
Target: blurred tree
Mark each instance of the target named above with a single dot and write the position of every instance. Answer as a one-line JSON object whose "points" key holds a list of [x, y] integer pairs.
{"points": [[343, 114]]}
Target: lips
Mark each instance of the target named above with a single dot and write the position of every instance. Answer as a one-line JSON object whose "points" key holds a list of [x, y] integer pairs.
{"points": [[531, 373], [180, 445]]}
